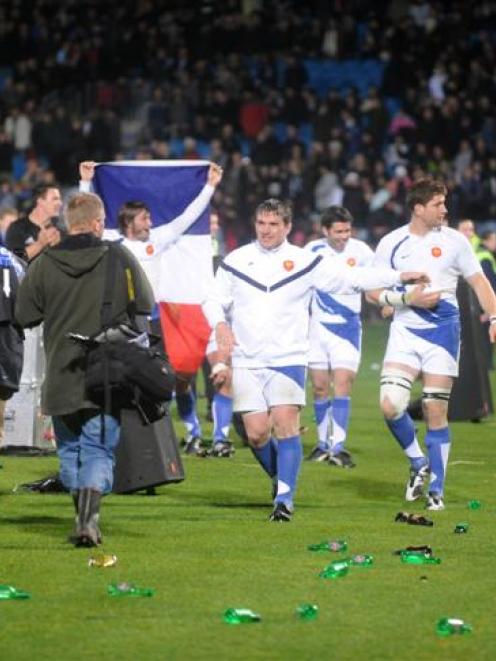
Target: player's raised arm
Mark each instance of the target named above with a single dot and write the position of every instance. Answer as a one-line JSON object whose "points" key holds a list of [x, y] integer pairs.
{"points": [[164, 235]]}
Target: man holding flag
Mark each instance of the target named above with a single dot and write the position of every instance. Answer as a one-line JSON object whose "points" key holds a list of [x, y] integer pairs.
{"points": [[176, 195]]}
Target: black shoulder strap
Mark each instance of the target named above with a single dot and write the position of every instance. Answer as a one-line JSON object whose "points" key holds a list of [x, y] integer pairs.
{"points": [[115, 256], [106, 311]]}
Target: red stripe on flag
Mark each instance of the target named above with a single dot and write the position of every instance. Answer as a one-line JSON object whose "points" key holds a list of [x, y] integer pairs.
{"points": [[186, 334]]}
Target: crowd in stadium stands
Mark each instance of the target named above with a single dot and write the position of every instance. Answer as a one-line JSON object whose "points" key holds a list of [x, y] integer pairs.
{"points": [[318, 102]]}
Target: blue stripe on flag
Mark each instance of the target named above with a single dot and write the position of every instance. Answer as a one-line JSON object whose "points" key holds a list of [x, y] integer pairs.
{"points": [[166, 190]]}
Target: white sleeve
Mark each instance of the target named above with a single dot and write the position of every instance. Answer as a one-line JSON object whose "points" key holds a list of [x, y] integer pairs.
{"points": [[111, 235], [163, 236], [219, 299], [85, 186], [331, 277]]}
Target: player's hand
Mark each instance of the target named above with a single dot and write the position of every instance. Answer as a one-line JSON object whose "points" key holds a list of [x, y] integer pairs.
{"points": [[414, 278], [387, 311], [86, 170], [215, 173], [49, 236], [220, 374], [420, 298], [225, 339]]}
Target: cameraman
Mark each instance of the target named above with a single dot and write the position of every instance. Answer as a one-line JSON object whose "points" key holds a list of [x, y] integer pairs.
{"points": [[64, 289], [31, 234]]}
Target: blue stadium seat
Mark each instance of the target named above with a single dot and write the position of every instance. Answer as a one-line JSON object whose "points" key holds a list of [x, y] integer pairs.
{"points": [[18, 166], [5, 74], [280, 131], [203, 148], [361, 74], [176, 147], [245, 147], [305, 133], [393, 104]]}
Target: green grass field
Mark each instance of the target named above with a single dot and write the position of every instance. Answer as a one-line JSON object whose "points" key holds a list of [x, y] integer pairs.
{"points": [[206, 545]]}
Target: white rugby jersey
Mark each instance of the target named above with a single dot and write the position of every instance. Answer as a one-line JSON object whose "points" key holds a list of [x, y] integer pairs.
{"points": [[268, 294], [339, 308], [444, 254], [161, 237]]}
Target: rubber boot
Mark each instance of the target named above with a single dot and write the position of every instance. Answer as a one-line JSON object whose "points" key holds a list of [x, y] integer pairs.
{"points": [[88, 532], [75, 499]]}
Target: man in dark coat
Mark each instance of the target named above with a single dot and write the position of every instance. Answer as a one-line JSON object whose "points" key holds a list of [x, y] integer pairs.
{"points": [[64, 289]]}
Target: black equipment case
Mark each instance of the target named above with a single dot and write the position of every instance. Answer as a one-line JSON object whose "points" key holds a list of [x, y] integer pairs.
{"points": [[147, 455]]}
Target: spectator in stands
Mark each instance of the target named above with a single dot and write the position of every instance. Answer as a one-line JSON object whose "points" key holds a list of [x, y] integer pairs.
{"points": [[467, 228], [207, 84], [328, 192], [8, 215], [7, 152], [18, 127]]}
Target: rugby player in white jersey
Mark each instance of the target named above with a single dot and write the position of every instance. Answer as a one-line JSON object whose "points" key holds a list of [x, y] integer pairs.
{"points": [[335, 339], [266, 289], [147, 243], [425, 334]]}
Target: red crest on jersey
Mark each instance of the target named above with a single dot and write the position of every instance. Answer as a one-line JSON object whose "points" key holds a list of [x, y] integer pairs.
{"points": [[149, 249], [436, 251], [351, 261], [288, 264]]}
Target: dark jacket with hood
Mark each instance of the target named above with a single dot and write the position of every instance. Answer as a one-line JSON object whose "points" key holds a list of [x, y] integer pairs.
{"points": [[63, 289]]}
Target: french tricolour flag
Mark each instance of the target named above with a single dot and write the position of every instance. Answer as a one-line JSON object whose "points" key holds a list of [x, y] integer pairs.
{"points": [[167, 187]]}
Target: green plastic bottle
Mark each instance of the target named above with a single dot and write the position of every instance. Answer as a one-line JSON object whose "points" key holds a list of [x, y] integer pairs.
{"points": [[307, 611], [335, 545], [335, 569], [447, 626], [125, 589], [415, 558], [361, 560], [474, 504], [461, 528], [9, 592], [240, 616]]}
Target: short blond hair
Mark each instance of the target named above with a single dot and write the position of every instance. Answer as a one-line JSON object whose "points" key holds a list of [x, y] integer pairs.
{"points": [[8, 211], [82, 209]]}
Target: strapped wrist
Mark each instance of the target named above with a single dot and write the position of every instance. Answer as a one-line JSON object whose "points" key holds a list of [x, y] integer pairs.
{"points": [[218, 367], [394, 299]]}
